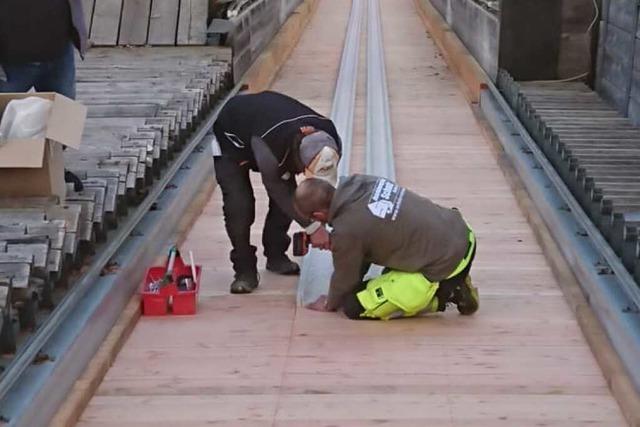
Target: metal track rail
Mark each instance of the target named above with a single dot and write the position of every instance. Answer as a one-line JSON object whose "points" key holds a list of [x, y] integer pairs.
{"points": [[626, 281], [379, 152], [317, 265], [344, 99], [379, 149], [75, 298], [608, 286]]}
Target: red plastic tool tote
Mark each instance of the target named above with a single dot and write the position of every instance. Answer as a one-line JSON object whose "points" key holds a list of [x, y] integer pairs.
{"points": [[178, 294]]}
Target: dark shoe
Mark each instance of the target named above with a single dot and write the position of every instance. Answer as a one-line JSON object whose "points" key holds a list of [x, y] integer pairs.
{"points": [[465, 296], [244, 283], [77, 183], [283, 266]]}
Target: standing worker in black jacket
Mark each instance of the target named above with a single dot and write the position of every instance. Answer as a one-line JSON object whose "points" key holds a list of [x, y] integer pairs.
{"points": [[279, 137]]}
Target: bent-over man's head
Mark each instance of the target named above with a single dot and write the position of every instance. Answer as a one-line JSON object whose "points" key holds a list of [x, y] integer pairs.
{"points": [[313, 199]]}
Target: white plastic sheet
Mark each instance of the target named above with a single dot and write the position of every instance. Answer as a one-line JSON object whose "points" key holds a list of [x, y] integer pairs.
{"points": [[25, 119]]}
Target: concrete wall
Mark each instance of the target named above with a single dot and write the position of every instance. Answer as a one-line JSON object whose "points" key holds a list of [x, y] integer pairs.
{"points": [[530, 38], [254, 29], [477, 28], [537, 39], [575, 39], [618, 72]]}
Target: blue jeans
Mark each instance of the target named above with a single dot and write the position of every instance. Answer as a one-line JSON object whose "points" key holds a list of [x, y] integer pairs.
{"points": [[58, 75]]}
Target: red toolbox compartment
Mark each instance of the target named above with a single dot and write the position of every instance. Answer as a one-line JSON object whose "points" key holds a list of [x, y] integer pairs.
{"points": [[170, 298]]}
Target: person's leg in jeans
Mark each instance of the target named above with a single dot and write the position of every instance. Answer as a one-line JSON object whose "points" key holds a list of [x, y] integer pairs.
{"points": [[239, 215], [275, 239], [60, 75], [21, 77]]}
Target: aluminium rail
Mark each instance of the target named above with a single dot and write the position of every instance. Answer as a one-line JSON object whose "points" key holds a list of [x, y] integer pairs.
{"points": [[379, 151], [317, 264], [379, 143], [608, 286]]}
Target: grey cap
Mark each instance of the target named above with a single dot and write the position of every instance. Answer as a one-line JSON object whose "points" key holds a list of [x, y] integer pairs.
{"points": [[312, 144], [319, 153]]}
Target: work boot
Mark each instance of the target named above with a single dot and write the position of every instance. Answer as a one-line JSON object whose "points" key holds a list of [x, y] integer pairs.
{"points": [[465, 296], [245, 283], [283, 265]]}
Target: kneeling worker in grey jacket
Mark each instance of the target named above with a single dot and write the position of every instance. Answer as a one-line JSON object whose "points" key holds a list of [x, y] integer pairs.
{"points": [[426, 249]]}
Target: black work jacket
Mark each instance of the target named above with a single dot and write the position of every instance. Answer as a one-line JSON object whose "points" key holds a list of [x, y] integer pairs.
{"points": [[273, 117]]}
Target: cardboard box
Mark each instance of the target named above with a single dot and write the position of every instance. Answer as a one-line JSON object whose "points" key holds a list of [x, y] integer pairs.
{"points": [[35, 167]]}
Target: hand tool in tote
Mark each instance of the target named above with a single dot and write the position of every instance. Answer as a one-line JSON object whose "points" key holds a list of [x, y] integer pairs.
{"points": [[193, 267], [167, 279], [186, 281]]}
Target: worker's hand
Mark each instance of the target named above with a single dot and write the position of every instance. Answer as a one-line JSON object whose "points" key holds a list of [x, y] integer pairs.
{"points": [[320, 304], [321, 239]]}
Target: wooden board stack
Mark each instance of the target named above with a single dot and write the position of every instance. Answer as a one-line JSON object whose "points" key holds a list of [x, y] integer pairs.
{"points": [[146, 22], [142, 106]]}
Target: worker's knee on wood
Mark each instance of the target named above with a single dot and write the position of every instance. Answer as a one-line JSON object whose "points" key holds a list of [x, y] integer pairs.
{"points": [[352, 307]]}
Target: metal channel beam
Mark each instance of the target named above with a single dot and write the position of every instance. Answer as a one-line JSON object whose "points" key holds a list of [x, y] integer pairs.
{"points": [[23, 379], [379, 148], [609, 256], [379, 156], [344, 99], [605, 281], [317, 265]]}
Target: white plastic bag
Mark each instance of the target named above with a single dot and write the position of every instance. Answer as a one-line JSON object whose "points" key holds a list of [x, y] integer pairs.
{"points": [[25, 119]]}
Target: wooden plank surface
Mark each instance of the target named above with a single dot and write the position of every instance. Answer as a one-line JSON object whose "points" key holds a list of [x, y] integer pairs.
{"points": [[106, 22], [257, 360], [192, 23], [163, 22], [134, 23]]}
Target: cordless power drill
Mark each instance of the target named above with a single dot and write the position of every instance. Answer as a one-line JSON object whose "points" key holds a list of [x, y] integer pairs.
{"points": [[301, 243]]}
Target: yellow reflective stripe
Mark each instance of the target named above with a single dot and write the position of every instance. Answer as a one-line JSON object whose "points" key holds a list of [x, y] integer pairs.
{"points": [[367, 300], [465, 261]]}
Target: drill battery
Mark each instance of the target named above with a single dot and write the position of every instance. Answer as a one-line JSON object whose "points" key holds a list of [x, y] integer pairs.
{"points": [[301, 243]]}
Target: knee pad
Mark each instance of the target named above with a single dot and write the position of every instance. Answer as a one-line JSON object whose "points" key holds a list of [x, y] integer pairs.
{"points": [[397, 294]]}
